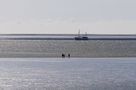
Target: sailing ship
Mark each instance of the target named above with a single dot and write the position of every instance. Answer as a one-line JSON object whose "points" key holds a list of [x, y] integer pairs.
{"points": [[81, 37]]}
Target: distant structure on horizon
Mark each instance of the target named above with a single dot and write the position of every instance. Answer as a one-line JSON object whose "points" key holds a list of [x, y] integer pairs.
{"points": [[81, 36]]}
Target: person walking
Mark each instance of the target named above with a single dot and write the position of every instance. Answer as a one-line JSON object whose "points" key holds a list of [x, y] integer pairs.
{"points": [[69, 55], [63, 55]]}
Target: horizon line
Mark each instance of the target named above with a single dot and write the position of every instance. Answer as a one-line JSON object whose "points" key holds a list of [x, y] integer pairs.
{"points": [[64, 34]]}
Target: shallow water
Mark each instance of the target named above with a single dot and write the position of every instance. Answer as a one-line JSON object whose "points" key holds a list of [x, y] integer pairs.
{"points": [[67, 74], [55, 48]]}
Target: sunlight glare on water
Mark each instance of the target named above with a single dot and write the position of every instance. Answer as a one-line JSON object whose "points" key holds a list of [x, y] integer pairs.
{"points": [[67, 74]]}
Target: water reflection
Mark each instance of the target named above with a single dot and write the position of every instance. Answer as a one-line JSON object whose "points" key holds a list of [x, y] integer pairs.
{"points": [[67, 74]]}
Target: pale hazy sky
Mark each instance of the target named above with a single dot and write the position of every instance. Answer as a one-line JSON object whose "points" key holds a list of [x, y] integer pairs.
{"points": [[67, 16]]}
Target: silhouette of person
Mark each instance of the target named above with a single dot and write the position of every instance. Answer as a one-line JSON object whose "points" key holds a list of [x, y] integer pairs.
{"points": [[63, 55], [69, 55]]}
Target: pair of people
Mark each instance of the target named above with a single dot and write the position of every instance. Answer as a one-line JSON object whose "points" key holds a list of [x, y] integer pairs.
{"points": [[63, 55]]}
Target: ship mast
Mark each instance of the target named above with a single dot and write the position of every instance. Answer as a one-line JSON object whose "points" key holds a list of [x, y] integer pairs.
{"points": [[79, 33], [85, 33]]}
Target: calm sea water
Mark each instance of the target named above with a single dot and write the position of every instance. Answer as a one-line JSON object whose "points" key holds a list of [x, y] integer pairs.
{"points": [[67, 74], [54, 48]]}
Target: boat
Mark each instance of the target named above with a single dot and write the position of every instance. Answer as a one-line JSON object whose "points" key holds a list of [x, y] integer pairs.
{"points": [[81, 37]]}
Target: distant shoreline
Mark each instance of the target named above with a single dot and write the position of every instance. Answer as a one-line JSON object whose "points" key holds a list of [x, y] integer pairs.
{"points": [[66, 36], [67, 39]]}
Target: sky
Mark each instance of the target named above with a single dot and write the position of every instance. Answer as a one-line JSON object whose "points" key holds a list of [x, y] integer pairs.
{"points": [[67, 16]]}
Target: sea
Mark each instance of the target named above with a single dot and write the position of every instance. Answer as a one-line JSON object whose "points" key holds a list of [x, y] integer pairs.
{"points": [[67, 73], [55, 48], [36, 63]]}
